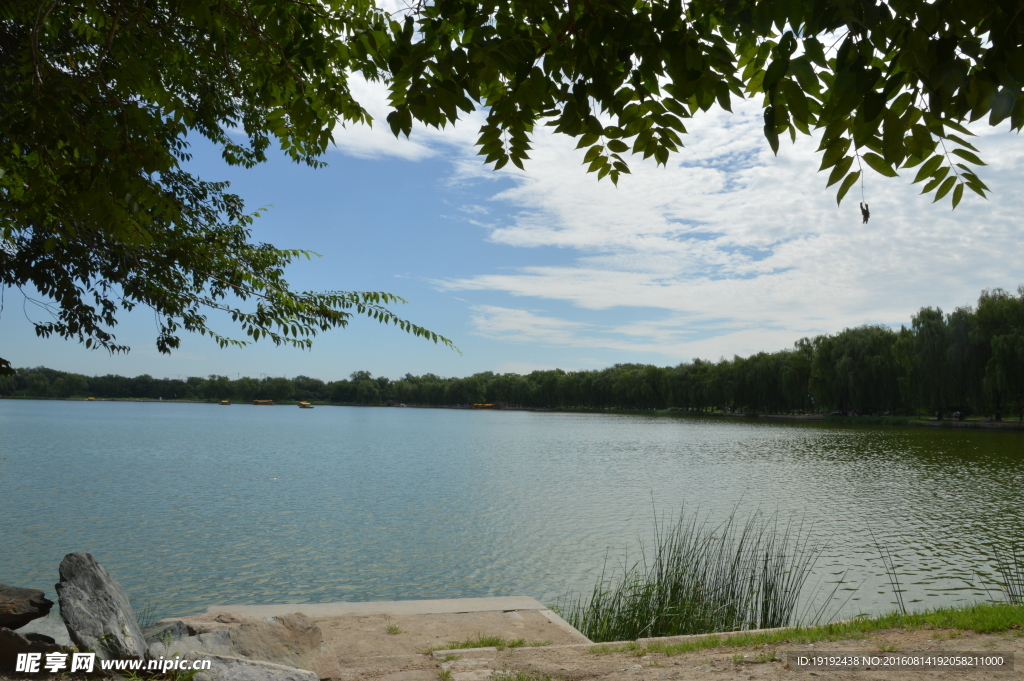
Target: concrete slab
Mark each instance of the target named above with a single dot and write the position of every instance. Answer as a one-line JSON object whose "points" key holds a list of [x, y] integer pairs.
{"points": [[393, 608]]}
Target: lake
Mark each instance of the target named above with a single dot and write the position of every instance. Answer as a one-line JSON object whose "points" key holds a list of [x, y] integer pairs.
{"points": [[190, 505]]}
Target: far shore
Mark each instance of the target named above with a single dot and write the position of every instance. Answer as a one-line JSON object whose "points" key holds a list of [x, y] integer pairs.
{"points": [[930, 422]]}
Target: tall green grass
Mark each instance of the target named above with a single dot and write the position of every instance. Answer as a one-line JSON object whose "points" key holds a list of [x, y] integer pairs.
{"points": [[1010, 565], [702, 577]]}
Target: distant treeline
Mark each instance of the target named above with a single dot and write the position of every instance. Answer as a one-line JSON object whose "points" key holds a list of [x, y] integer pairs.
{"points": [[971, 360]]}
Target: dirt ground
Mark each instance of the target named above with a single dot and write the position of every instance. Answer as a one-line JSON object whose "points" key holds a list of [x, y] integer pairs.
{"points": [[382, 648], [580, 662]]}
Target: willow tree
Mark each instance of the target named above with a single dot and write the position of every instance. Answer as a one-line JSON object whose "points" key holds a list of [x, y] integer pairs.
{"points": [[97, 97]]}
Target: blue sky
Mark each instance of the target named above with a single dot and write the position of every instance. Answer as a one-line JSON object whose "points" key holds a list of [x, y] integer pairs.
{"points": [[728, 250]]}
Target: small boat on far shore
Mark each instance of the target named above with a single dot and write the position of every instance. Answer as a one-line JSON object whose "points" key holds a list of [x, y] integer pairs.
{"points": [[225, 403], [305, 405]]}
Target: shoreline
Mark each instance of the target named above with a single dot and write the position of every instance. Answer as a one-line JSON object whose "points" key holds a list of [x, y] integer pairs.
{"points": [[384, 644], [895, 421]]}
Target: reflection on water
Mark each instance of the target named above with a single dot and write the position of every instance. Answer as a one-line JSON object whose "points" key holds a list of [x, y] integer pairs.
{"points": [[190, 505]]}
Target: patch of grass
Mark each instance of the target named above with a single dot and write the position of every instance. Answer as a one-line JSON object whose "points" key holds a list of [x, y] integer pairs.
{"points": [[702, 577], [451, 657], [767, 656], [483, 641], [145, 615], [444, 675], [887, 647], [518, 675], [393, 629], [982, 618], [175, 675]]}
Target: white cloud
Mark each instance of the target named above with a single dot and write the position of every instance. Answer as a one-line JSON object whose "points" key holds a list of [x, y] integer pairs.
{"points": [[674, 337], [730, 232], [523, 326], [377, 140], [734, 249]]}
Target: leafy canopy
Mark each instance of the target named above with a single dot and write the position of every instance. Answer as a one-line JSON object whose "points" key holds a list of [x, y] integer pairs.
{"points": [[891, 84], [97, 99]]}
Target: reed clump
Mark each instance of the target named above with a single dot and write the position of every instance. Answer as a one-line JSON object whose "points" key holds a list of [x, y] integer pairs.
{"points": [[701, 577], [1010, 565]]}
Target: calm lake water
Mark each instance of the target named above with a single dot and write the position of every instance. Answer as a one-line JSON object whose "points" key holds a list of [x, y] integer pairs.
{"points": [[190, 505]]}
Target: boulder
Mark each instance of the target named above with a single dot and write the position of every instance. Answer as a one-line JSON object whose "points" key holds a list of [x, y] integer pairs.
{"points": [[20, 606], [96, 610], [293, 640], [51, 626], [289, 639], [12, 643], [224, 668]]}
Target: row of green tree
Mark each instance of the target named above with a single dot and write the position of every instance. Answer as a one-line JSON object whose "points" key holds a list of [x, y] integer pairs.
{"points": [[970, 360]]}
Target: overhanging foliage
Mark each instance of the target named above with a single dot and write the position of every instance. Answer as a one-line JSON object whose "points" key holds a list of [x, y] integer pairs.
{"points": [[890, 84], [97, 99]]}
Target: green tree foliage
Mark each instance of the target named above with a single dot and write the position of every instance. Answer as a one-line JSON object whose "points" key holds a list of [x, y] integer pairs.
{"points": [[971, 361], [890, 84], [1000, 333], [96, 214], [98, 98]]}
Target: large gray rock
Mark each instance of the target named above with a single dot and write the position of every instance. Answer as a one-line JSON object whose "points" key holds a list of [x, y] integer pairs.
{"points": [[293, 640], [12, 643], [236, 669], [96, 610], [51, 626], [20, 606]]}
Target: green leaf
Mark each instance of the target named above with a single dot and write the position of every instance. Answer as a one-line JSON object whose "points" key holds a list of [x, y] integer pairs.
{"points": [[944, 189], [840, 170], [962, 142], [928, 168], [797, 101], [958, 194], [878, 164], [816, 51], [769, 129], [774, 73], [835, 151], [618, 146], [973, 158], [977, 190], [722, 94], [805, 75], [874, 104], [893, 148], [845, 187]]}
